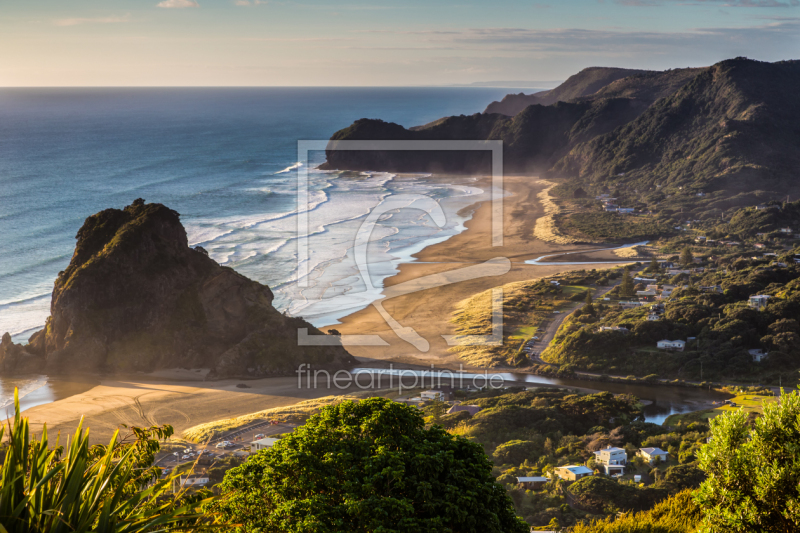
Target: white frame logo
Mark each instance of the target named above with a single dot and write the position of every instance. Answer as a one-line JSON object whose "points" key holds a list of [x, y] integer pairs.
{"points": [[493, 267]]}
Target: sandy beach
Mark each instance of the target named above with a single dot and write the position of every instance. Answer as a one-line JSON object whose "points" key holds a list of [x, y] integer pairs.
{"points": [[428, 312], [183, 399]]}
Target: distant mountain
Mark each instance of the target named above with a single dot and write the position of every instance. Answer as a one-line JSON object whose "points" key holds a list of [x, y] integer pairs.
{"points": [[731, 134], [584, 83], [514, 84], [703, 139], [136, 297]]}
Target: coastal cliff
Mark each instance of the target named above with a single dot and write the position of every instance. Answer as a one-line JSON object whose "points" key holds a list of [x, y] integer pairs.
{"points": [[136, 297], [686, 142]]}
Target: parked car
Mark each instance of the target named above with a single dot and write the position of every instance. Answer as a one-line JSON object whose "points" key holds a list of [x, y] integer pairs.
{"points": [[220, 444], [259, 436], [185, 457]]}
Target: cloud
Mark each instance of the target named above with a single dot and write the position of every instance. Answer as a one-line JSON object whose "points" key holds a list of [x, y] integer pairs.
{"points": [[724, 3], [765, 39], [177, 4], [74, 21], [242, 3]]}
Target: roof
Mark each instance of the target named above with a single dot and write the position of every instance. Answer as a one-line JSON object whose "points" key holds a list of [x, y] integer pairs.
{"points": [[653, 451], [612, 449], [532, 479], [471, 409], [577, 469], [266, 441]]}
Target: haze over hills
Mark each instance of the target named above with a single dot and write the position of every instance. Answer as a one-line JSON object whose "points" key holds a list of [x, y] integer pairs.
{"points": [[586, 82], [728, 131]]}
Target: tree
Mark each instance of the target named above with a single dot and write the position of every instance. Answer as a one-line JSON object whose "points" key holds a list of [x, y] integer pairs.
{"points": [[588, 308], [363, 467], [626, 286], [654, 265], [79, 488], [687, 258], [753, 474]]}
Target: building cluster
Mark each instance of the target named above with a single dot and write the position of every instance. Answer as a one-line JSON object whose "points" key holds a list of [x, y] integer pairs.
{"points": [[610, 461], [610, 205]]}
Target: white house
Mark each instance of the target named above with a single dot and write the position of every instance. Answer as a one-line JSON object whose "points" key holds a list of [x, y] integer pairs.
{"points": [[652, 317], [189, 481], [646, 293], [625, 210], [262, 444], [759, 246], [532, 483], [677, 345], [611, 455], [759, 301], [758, 355], [650, 454], [432, 395], [618, 329], [787, 230]]}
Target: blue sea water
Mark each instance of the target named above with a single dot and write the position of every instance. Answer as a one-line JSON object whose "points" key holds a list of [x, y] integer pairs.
{"points": [[226, 160]]}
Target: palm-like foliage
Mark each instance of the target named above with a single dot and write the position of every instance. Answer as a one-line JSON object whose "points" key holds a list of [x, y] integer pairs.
{"points": [[79, 488]]}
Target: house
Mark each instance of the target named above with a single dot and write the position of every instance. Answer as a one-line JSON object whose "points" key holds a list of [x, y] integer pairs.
{"points": [[613, 470], [630, 305], [572, 472], [262, 444], [618, 329], [625, 210], [759, 301], [432, 395], [652, 317], [758, 355], [769, 254], [645, 280], [650, 454], [711, 288], [196, 481], [646, 293], [471, 409], [611, 455], [671, 345], [787, 230], [760, 246], [532, 483], [610, 207], [700, 239], [652, 287], [675, 271]]}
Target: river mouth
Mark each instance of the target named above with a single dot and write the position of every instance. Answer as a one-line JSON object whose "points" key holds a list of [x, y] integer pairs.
{"points": [[663, 400]]}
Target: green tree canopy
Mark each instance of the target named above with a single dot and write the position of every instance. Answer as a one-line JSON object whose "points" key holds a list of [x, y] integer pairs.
{"points": [[626, 286], [364, 467], [753, 474], [687, 257]]}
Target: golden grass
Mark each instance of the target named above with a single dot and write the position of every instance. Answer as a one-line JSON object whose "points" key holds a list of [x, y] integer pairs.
{"points": [[522, 306], [292, 414], [546, 228], [634, 251]]}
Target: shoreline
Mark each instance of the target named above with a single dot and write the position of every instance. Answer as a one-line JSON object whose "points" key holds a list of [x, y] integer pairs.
{"points": [[183, 399]]}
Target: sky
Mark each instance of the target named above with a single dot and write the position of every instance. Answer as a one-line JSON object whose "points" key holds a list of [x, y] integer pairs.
{"points": [[376, 42]]}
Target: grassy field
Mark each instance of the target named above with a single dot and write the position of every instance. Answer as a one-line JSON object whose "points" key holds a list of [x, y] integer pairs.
{"points": [[749, 403], [527, 307], [292, 414]]}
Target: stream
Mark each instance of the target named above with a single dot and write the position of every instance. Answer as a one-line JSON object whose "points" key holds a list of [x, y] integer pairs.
{"points": [[665, 399]]}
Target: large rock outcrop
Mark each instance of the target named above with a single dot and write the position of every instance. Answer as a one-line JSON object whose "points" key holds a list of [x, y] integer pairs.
{"points": [[136, 297]]}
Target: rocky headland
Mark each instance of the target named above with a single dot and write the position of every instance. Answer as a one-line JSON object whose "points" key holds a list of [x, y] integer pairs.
{"points": [[137, 297]]}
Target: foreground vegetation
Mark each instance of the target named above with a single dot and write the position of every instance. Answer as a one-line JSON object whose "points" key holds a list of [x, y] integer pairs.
{"points": [[375, 465]]}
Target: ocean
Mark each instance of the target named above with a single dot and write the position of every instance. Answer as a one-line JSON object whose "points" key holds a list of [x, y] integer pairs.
{"points": [[226, 160]]}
